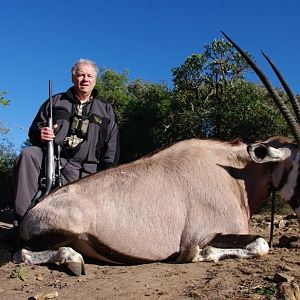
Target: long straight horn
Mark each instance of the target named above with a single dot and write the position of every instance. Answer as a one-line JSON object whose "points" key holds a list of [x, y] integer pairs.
{"points": [[286, 87], [290, 119]]}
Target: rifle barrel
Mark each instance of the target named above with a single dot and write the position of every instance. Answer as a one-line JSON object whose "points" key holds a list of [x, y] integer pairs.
{"points": [[50, 163], [50, 121]]}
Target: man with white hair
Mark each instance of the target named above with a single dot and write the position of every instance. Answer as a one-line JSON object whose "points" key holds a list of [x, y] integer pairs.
{"points": [[84, 127]]}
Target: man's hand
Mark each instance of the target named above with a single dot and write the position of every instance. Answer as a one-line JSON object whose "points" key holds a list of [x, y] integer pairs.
{"points": [[47, 134]]}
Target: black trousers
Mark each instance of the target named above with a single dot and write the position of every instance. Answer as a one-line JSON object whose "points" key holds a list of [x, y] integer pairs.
{"points": [[28, 174]]}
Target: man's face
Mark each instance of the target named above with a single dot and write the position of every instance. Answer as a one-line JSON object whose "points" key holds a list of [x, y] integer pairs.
{"points": [[84, 79]]}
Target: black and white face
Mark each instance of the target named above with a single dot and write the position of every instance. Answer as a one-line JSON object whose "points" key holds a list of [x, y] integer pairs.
{"points": [[285, 159]]}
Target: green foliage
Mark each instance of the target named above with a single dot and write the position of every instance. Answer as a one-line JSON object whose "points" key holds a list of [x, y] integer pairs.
{"points": [[268, 291], [144, 129], [4, 102], [249, 114], [141, 108], [204, 73], [3, 99], [3, 129], [113, 86], [212, 99], [20, 273], [7, 161]]}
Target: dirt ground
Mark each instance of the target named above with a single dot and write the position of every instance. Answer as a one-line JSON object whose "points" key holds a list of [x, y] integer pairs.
{"points": [[258, 278]]}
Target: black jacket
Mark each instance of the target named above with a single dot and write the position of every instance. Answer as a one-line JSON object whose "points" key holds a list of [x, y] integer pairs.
{"points": [[100, 148]]}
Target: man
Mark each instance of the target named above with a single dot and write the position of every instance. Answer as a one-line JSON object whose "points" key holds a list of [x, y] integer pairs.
{"points": [[84, 126]]}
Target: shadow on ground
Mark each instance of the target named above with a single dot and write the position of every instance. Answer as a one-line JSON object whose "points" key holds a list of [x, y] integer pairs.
{"points": [[6, 249]]}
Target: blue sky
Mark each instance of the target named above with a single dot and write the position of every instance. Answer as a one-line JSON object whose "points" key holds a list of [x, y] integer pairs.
{"points": [[40, 40]]}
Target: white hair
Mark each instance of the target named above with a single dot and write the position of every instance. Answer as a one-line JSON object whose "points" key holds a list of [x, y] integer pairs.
{"points": [[86, 62]]}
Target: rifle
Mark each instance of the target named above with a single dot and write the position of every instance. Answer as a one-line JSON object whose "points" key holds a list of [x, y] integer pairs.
{"points": [[52, 163], [52, 168], [50, 160]]}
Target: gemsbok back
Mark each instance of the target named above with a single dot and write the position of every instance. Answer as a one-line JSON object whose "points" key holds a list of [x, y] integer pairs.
{"points": [[190, 202]]}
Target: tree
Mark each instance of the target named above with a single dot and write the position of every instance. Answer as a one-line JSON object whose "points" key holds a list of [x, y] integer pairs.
{"points": [[4, 102], [8, 158], [146, 112], [7, 161], [114, 87], [141, 108], [3, 99], [213, 99]]}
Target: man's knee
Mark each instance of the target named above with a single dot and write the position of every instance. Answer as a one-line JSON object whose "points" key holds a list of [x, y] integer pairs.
{"points": [[31, 154], [32, 151]]}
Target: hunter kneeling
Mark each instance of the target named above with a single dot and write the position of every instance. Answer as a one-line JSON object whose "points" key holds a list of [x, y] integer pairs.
{"points": [[84, 137]]}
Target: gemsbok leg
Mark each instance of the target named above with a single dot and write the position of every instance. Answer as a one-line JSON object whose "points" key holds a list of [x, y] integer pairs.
{"points": [[242, 246], [66, 256]]}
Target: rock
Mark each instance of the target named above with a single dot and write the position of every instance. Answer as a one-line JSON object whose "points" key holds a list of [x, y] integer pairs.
{"points": [[45, 296], [291, 217], [295, 245], [282, 277], [288, 291], [281, 224], [289, 241]]}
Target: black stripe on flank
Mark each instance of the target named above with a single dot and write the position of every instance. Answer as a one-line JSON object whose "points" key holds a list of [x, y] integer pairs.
{"points": [[117, 256], [50, 240], [54, 239]]}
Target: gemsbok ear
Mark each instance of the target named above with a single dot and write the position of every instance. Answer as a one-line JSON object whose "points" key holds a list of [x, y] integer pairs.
{"points": [[262, 153], [288, 116]]}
